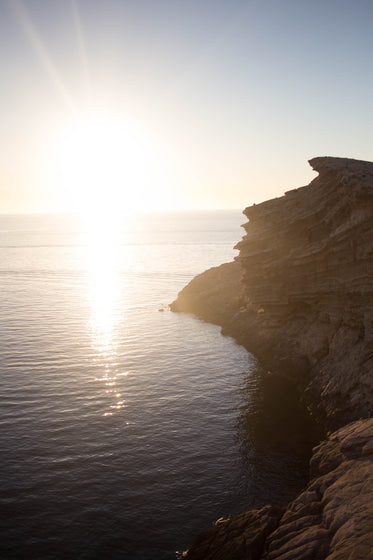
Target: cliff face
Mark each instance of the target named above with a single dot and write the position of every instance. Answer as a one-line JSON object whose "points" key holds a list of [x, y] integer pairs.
{"points": [[304, 307], [308, 277], [305, 304]]}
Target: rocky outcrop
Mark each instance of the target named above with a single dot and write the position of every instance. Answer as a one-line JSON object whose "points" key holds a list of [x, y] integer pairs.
{"points": [[331, 520], [241, 537], [305, 309], [213, 295]]}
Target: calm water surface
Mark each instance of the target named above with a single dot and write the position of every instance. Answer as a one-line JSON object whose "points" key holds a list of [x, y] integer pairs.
{"points": [[119, 423]]}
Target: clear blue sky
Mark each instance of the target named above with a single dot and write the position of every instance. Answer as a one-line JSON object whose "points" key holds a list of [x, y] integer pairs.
{"points": [[230, 97]]}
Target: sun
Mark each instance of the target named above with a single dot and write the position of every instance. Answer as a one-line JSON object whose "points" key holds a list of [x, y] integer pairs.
{"points": [[101, 164]]}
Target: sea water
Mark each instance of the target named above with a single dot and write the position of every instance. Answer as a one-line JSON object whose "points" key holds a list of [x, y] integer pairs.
{"points": [[120, 420]]}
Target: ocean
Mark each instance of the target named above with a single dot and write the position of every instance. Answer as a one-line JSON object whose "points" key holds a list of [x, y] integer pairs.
{"points": [[121, 422]]}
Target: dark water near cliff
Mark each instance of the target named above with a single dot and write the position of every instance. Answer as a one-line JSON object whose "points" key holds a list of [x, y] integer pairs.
{"points": [[120, 425]]}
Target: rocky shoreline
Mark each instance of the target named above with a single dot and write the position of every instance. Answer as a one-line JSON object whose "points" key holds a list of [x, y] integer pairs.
{"points": [[300, 297]]}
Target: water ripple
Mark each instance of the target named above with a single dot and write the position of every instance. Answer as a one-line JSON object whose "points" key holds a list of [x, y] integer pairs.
{"points": [[118, 423]]}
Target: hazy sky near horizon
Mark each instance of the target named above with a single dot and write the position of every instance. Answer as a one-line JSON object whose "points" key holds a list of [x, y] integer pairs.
{"points": [[194, 103]]}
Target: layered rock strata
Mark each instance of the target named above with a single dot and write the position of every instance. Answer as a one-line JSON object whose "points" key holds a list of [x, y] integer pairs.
{"points": [[306, 297], [304, 307], [307, 261]]}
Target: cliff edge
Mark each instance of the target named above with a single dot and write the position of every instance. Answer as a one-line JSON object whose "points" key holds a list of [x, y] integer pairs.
{"points": [[301, 294]]}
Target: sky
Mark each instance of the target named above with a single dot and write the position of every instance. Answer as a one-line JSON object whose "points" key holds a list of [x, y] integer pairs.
{"points": [[168, 104]]}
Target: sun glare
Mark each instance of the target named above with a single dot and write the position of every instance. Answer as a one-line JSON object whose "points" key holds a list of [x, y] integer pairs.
{"points": [[102, 261], [102, 165]]}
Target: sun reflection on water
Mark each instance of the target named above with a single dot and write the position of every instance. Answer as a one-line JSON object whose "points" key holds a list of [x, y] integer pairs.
{"points": [[103, 262]]}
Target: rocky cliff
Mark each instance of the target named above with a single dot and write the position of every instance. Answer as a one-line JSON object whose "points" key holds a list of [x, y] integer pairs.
{"points": [[331, 519], [301, 294]]}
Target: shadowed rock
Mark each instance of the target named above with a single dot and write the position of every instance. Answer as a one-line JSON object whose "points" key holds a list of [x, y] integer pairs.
{"points": [[213, 295], [239, 538], [331, 519]]}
